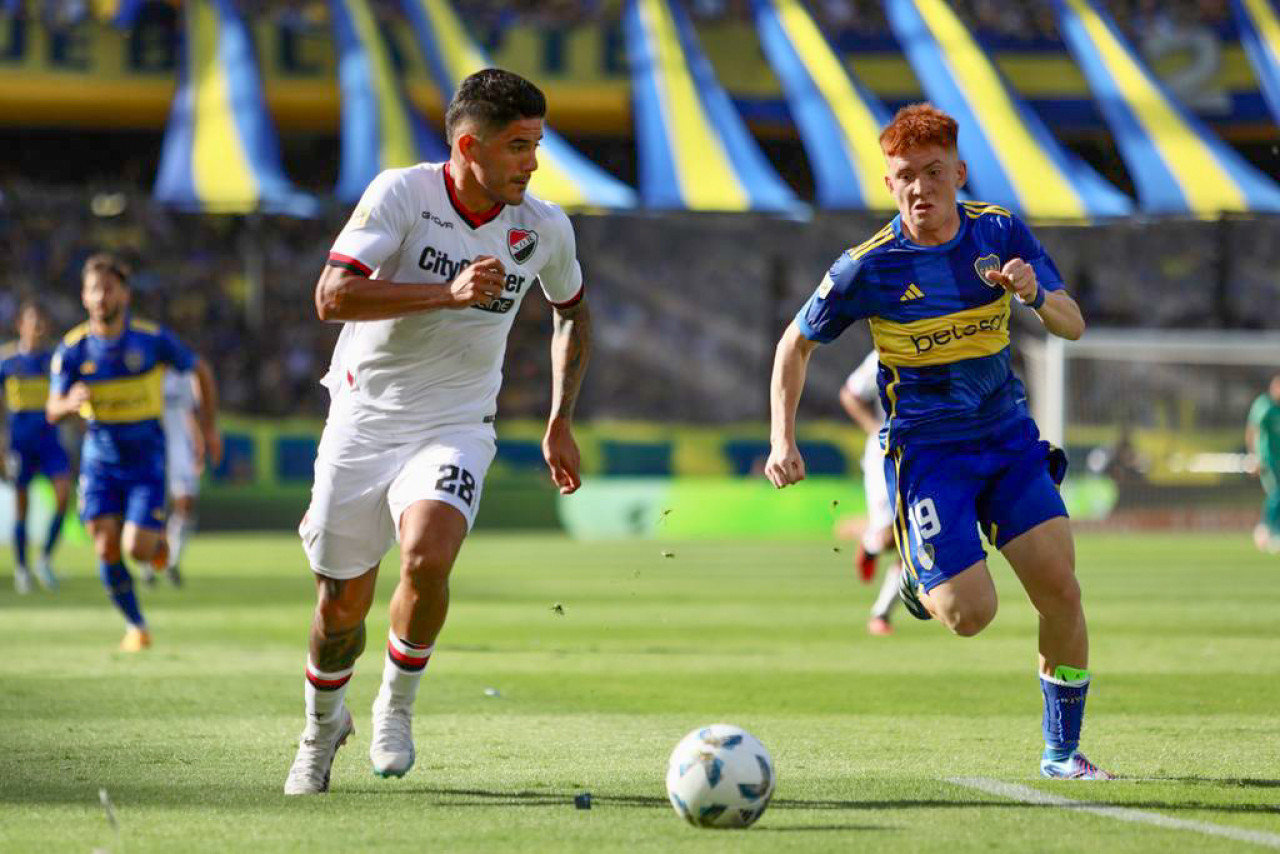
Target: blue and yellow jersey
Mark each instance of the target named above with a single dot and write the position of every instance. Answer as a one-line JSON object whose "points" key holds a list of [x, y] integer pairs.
{"points": [[125, 376], [25, 377], [941, 330]]}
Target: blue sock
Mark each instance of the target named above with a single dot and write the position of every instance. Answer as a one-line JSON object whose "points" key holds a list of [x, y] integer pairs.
{"points": [[20, 541], [1064, 695], [55, 531], [119, 584]]}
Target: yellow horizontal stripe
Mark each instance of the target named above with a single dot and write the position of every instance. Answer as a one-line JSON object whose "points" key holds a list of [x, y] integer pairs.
{"points": [[967, 334], [1207, 187], [26, 394], [1043, 191], [858, 126], [703, 170], [127, 399], [220, 167], [396, 146]]}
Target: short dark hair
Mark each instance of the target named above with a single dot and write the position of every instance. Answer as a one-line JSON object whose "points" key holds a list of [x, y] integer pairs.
{"points": [[493, 99], [107, 262]]}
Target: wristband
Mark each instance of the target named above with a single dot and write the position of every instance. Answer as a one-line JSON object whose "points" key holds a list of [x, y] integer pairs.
{"points": [[1039, 300]]}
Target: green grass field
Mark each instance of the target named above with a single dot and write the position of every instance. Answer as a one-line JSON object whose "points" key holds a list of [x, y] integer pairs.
{"points": [[192, 739]]}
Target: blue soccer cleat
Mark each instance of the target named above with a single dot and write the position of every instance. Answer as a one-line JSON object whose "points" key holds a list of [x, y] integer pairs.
{"points": [[910, 601], [1074, 767]]}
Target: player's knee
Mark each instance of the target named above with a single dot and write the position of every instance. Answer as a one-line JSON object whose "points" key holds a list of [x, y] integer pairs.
{"points": [[425, 563], [970, 618], [1060, 596]]}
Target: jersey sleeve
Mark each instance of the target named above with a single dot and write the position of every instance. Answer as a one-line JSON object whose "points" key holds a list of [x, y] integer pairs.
{"points": [[841, 298], [377, 227], [1258, 411], [173, 352], [64, 370], [862, 382], [561, 276], [1023, 244]]}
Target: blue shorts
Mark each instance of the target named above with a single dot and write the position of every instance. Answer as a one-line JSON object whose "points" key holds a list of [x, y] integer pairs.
{"points": [[1007, 483], [44, 456], [135, 497]]}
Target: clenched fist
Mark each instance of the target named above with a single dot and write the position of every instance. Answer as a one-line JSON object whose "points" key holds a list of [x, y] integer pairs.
{"points": [[481, 282]]}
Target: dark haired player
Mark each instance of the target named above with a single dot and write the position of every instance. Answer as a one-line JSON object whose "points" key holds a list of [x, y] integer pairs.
{"points": [[961, 451], [110, 371], [33, 442], [427, 275]]}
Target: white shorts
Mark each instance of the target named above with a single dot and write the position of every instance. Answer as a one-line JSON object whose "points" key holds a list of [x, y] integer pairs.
{"points": [[180, 461], [880, 511], [362, 488]]}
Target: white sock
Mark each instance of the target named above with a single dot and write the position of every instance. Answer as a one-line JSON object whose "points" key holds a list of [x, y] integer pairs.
{"points": [[888, 596], [324, 693], [178, 529], [405, 664], [872, 540]]}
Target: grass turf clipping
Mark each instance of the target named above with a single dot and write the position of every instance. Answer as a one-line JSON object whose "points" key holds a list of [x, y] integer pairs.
{"points": [[526, 705]]}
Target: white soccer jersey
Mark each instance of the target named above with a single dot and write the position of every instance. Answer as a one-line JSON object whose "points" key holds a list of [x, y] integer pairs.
{"points": [[399, 379], [862, 382], [179, 444]]}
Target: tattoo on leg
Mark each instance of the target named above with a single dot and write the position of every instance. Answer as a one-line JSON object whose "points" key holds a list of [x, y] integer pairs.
{"points": [[338, 650]]}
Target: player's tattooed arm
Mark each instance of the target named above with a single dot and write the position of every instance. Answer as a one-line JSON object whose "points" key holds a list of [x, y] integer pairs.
{"points": [[570, 352]]}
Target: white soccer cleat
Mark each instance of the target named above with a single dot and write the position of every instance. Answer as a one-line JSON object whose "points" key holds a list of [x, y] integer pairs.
{"points": [[45, 575], [391, 750], [1075, 767], [309, 774], [21, 580]]}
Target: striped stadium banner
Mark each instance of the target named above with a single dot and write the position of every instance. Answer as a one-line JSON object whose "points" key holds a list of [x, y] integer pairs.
{"points": [[1177, 164], [1013, 159], [694, 150], [1259, 25], [564, 176], [839, 120], [380, 128], [220, 152]]}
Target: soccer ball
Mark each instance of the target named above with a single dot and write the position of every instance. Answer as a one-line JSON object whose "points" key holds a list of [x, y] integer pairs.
{"points": [[720, 776]]}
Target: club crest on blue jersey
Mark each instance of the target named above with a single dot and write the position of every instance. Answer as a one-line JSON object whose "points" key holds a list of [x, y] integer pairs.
{"points": [[825, 288], [133, 360], [522, 243], [984, 264]]}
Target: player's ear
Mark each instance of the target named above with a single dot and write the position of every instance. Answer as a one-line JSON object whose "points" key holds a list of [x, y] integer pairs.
{"points": [[467, 146], [962, 173]]}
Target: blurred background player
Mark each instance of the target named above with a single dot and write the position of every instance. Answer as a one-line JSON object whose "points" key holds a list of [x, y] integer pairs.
{"points": [[110, 370], [936, 284], [184, 463], [1262, 438], [33, 442], [428, 305], [860, 397]]}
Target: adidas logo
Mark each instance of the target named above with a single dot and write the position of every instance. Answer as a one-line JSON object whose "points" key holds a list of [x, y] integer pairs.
{"points": [[912, 292]]}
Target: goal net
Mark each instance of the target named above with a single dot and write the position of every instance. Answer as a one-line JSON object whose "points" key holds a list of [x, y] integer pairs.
{"points": [[1153, 421]]}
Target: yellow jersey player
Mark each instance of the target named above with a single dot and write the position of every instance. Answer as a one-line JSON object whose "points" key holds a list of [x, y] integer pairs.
{"points": [[938, 284]]}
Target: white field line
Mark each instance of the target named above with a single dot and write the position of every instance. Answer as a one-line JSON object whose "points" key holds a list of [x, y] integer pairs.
{"points": [[1028, 795]]}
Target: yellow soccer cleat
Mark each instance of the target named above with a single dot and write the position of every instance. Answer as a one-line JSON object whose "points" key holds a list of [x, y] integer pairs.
{"points": [[135, 640]]}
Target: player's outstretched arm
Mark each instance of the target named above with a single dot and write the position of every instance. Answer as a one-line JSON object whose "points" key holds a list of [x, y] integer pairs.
{"points": [[790, 363], [343, 295], [207, 411], [570, 352]]}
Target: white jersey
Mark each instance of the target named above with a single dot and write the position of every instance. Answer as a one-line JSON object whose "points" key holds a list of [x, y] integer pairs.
{"points": [[862, 383], [397, 380], [181, 470]]}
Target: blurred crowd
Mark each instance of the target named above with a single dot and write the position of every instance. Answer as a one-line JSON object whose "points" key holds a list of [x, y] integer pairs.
{"points": [[685, 335], [1019, 21]]}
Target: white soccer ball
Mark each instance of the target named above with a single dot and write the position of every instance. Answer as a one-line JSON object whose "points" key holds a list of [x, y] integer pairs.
{"points": [[720, 776]]}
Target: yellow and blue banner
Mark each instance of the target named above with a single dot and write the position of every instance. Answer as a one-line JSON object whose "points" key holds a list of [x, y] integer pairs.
{"points": [[1259, 25], [564, 177], [1013, 159], [839, 120], [220, 152], [694, 150], [380, 127], [1177, 163]]}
